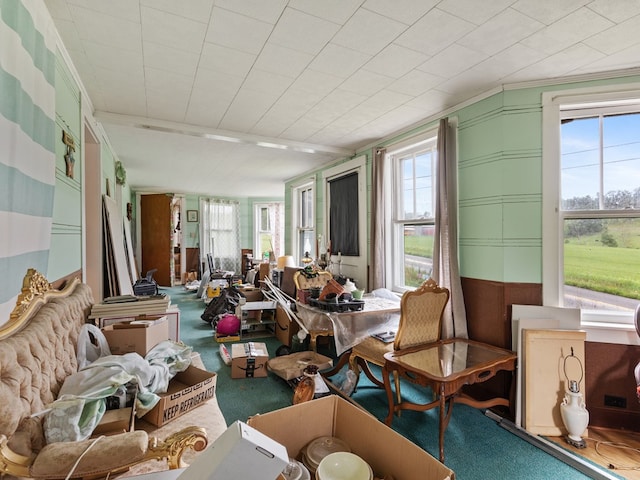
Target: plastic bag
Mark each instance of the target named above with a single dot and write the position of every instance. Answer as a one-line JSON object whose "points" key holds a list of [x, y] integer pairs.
{"points": [[92, 345]]}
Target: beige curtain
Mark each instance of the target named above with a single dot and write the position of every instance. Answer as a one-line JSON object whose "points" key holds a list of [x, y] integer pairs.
{"points": [[376, 269], [445, 249]]}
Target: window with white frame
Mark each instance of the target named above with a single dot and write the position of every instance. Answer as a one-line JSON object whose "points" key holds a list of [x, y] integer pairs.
{"points": [[269, 229], [304, 221], [413, 211], [597, 227]]}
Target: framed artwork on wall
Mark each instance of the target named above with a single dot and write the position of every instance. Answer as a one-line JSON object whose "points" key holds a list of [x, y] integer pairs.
{"points": [[192, 215]]}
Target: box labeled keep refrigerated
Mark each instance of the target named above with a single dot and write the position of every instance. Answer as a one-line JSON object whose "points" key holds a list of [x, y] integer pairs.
{"points": [[249, 360], [386, 451], [240, 452], [138, 336], [187, 390]]}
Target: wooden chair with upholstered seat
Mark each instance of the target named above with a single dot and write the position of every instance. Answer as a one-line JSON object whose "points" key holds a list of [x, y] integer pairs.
{"points": [[420, 323]]}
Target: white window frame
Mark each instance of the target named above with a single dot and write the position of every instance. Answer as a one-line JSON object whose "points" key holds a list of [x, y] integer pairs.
{"points": [[297, 227], [394, 246], [602, 326]]}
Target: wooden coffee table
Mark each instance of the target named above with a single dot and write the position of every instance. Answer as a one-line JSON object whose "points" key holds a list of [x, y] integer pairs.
{"points": [[446, 366]]}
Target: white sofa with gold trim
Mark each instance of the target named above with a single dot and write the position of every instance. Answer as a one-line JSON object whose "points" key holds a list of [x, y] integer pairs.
{"points": [[37, 353]]}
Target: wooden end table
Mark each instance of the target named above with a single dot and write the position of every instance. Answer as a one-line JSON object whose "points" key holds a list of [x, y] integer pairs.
{"points": [[446, 366]]}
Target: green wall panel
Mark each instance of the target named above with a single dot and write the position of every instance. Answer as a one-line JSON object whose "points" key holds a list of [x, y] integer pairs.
{"points": [[481, 222], [482, 261], [66, 252], [522, 220], [523, 264]]}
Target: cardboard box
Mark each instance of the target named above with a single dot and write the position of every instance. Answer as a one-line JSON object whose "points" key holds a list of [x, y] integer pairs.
{"points": [[252, 294], [249, 360], [285, 327], [186, 391], [116, 421], [388, 452], [136, 336], [240, 452]]}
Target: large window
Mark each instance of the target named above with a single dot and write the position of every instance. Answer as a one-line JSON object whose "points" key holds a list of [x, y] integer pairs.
{"points": [[413, 212], [304, 222], [598, 207], [269, 230], [220, 233], [600, 197]]}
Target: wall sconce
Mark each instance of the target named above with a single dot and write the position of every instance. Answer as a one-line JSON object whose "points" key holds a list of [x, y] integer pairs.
{"points": [[572, 409]]}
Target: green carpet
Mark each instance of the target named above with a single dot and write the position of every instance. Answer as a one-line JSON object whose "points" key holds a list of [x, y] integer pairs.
{"points": [[476, 447]]}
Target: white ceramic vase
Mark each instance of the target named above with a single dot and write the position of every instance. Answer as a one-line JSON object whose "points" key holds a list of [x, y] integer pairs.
{"points": [[574, 415]]}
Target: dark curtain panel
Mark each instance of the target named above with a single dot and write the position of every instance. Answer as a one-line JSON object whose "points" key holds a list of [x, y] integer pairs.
{"points": [[343, 215]]}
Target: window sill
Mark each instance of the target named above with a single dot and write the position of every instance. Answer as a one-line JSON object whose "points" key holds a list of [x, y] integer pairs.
{"points": [[609, 332]]}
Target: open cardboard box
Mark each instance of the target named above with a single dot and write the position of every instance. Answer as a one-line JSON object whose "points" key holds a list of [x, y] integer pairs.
{"points": [[187, 390], [136, 336], [388, 452]]}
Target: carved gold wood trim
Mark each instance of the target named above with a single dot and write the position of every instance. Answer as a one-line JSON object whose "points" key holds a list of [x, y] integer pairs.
{"points": [[36, 291]]}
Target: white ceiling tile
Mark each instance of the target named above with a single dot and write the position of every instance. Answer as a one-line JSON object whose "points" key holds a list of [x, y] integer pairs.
{"points": [[285, 61], [334, 105], [316, 83], [210, 84], [336, 11], [100, 28], [415, 83], [108, 57], [246, 110], [226, 60], [271, 125], [405, 11], [199, 10], [172, 30], [434, 32], [207, 112], [266, 11], [126, 83], [165, 106], [395, 61], [302, 129], [432, 99], [339, 61], [508, 61], [122, 9], [366, 82], [303, 32], [237, 31], [567, 31], [500, 32], [565, 62], [627, 58], [368, 32], [170, 59], [617, 38], [548, 11], [474, 11], [168, 82], [617, 11], [270, 83], [70, 35], [452, 60]]}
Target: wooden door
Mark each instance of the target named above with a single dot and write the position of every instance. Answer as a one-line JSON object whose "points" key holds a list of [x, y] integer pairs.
{"points": [[155, 236]]}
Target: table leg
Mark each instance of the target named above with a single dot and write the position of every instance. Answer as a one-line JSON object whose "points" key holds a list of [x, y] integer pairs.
{"points": [[390, 400], [441, 425]]}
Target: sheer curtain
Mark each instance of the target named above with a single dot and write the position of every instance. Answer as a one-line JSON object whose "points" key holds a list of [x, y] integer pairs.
{"points": [[220, 233], [445, 249], [377, 270]]}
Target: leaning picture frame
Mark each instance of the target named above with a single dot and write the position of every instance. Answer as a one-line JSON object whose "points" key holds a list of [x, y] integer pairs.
{"points": [[192, 215]]}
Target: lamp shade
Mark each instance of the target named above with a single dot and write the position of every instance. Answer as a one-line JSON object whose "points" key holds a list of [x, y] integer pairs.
{"points": [[286, 261]]}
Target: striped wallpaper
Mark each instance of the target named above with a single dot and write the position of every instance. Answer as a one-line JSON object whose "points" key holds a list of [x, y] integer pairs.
{"points": [[27, 143]]}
